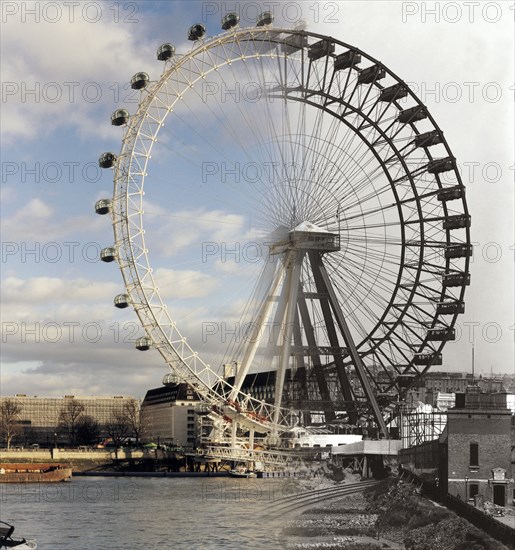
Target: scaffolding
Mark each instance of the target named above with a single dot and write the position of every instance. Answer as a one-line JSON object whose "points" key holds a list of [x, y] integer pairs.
{"points": [[418, 427]]}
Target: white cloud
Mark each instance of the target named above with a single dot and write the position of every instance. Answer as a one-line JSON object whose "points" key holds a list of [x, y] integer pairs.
{"points": [[39, 290], [184, 284], [103, 56], [191, 227], [56, 74], [37, 221]]}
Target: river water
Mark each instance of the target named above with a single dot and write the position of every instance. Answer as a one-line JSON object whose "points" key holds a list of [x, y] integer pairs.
{"points": [[138, 513]]}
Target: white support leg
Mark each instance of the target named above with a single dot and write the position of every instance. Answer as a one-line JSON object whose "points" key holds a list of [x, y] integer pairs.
{"points": [[257, 332], [294, 265], [234, 428]]}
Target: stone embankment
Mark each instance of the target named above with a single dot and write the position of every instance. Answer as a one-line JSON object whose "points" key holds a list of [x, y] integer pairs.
{"points": [[80, 460]]}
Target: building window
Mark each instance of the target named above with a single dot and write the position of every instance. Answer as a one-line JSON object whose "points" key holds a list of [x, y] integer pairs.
{"points": [[473, 490], [474, 454]]}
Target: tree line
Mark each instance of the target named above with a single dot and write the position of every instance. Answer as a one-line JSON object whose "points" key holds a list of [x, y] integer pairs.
{"points": [[74, 425]]}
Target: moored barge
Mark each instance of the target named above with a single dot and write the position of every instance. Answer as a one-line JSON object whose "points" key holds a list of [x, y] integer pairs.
{"points": [[34, 472]]}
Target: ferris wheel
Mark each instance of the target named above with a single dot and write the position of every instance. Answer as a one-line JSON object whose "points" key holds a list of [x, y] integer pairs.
{"points": [[333, 172]]}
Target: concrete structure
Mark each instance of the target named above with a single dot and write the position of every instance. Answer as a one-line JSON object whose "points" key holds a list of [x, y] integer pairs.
{"points": [[383, 447], [39, 417], [168, 415], [368, 457]]}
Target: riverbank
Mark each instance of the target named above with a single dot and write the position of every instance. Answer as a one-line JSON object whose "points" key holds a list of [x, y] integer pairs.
{"points": [[79, 460], [389, 516], [346, 523], [122, 473], [100, 461], [130, 463]]}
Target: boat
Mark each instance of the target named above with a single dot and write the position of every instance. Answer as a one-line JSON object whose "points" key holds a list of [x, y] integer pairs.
{"points": [[241, 471], [6, 540], [34, 473]]}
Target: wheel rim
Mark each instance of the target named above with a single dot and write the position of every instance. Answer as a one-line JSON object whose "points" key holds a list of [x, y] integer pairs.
{"points": [[389, 201]]}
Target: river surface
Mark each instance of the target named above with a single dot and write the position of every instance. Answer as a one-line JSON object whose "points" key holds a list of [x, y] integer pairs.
{"points": [[139, 513]]}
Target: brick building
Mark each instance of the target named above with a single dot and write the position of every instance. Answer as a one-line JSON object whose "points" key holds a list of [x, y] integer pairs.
{"points": [[472, 457], [479, 448]]}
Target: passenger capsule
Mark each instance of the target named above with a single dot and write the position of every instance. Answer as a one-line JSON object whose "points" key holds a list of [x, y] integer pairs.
{"points": [[171, 379], [121, 301], [266, 18], [143, 343], [107, 160], [108, 254], [272, 440], [165, 52], [196, 32], [103, 206], [230, 20], [427, 359], [120, 117], [454, 250], [139, 81], [203, 409], [450, 308], [456, 279]]}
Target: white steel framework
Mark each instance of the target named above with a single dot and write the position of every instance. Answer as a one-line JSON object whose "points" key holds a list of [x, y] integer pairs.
{"points": [[369, 162]]}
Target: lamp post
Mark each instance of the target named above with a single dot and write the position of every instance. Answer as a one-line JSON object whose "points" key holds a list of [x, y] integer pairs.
{"points": [[466, 488], [54, 450]]}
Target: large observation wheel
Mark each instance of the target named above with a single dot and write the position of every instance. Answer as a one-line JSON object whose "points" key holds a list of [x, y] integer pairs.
{"points": [[336, 175]]}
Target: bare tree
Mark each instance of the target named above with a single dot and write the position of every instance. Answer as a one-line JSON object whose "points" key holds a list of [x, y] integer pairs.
{"points": [[10, 425], [88, 430], [69, 419], [132, 413], [117, 428]]}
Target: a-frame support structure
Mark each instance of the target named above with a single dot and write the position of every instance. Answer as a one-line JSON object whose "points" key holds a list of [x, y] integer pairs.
{"points": [[304, 248]]}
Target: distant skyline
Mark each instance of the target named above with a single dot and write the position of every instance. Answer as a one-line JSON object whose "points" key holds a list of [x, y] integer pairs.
{"points": [[64, 73]]}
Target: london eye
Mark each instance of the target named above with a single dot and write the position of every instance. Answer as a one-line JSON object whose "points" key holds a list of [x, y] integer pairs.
{"points": [[324, 163]]}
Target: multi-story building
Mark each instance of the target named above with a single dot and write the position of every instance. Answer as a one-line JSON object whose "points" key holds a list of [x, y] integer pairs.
{"points": [[447, 382], [471, 459], [39, 418], [479, 448], [168, 415], [439, 388]]}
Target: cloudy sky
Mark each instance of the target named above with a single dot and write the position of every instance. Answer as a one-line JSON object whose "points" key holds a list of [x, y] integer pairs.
{"points": [[65, 69]]}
